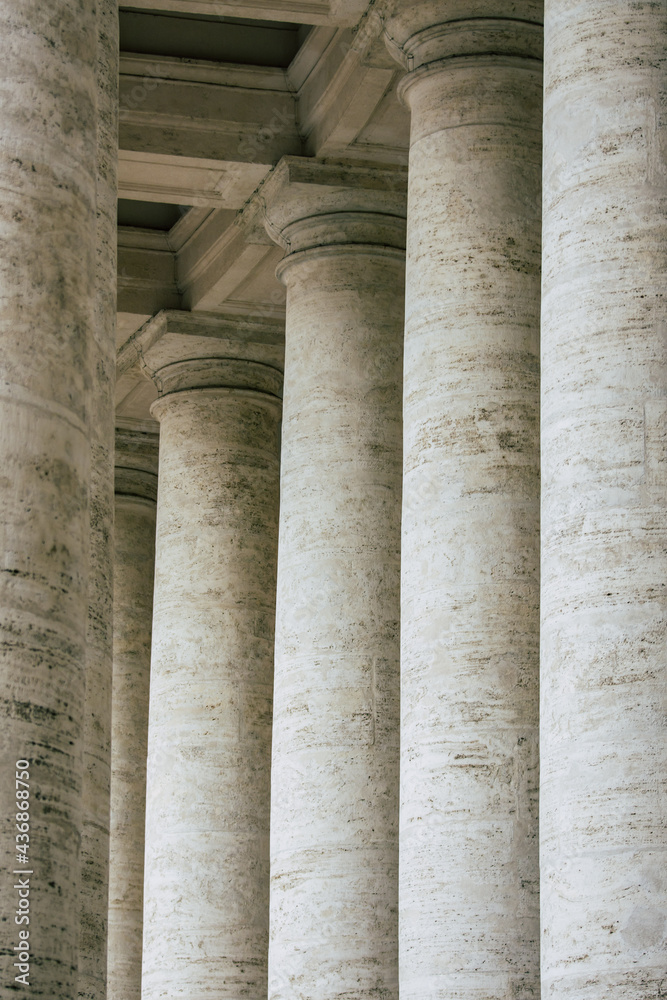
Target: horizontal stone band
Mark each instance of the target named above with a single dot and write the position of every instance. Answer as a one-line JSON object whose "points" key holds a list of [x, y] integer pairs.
{"points": [[219, 373]]}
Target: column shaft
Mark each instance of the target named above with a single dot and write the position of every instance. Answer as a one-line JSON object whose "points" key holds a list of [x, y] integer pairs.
{"points": [[604, 540], [334, 816], [134, 547], [48, 161], [94, 900], [470, 549], [207, 801]]}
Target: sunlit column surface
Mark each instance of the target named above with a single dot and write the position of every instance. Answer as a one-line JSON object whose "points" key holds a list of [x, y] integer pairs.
{"points": [[468, 898], [604, 508], [206, 882], [334, 793]]}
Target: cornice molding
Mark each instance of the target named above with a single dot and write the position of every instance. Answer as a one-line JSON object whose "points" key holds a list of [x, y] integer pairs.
{"points": [[155, 69], [298, 11]]}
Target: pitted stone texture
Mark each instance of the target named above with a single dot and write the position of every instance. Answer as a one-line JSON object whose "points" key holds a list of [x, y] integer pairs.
{"points": [[94, 901], [208, 786], [334, 818], [47, 274], [133, 603], [468, 893], [604, 527]]}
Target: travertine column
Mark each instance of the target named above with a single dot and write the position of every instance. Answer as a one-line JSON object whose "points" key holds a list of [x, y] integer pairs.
{"points": [[470, 555], [604, 541], [134, 531], [207, 798], [97, 720], [48, 165], [334, 814]]}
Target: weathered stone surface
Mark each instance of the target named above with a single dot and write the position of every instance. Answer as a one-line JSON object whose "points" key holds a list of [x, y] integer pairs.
{"points": [[334, 817], [94, 901], [470, 550], [207, 803], [47, 271], [134, 530], [604, 527]]}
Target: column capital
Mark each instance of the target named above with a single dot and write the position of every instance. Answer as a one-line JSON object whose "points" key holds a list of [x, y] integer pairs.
{"points": [[311, 204], [424, 38], [212, 374], [181, 351]]}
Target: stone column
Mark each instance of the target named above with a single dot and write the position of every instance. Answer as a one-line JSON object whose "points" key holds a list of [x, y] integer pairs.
{"points": [[470, 552], [604, 542], [94, 901], [134, 530], [334, 815], [208, 785], [48, 166]]}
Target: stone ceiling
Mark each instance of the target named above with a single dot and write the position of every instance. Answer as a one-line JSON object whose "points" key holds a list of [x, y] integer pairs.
{"points": [[212, 95]]}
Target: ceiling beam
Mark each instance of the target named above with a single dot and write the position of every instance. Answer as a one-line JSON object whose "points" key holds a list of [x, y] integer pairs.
{"points": [[221, 113], [146, 273], [346, 12]]}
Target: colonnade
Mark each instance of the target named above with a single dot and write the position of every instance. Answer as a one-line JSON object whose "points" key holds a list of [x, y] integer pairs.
{"points": [[359, 595]]}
